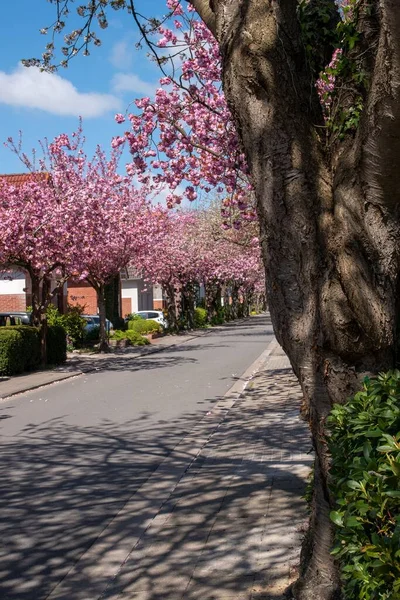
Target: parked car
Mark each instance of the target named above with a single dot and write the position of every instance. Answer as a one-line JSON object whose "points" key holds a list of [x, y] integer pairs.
{"points": [[15, 318], [154, 315], [93, 321]]}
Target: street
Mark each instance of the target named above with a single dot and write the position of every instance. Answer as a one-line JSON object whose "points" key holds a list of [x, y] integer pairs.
{"points": [[73, 453]]}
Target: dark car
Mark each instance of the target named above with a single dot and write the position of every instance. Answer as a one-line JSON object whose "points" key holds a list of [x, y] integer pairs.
{"points": [[93, 321], [15, 318]]}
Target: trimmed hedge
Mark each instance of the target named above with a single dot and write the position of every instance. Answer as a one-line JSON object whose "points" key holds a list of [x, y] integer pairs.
{"points": [[144, 326], [365, 481], [20, 348], [56, 345]]}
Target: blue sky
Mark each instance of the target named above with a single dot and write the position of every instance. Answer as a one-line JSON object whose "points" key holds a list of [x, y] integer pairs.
{"points": [[95, 87]]}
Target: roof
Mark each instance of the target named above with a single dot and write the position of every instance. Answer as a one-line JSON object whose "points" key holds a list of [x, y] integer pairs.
{"points": [[21, 178]]}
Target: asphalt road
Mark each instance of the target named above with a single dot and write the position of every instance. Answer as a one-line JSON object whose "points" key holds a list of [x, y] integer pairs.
{"points": [[73, 453]]}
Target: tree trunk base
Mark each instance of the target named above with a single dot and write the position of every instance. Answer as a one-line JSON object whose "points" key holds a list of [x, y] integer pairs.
{"points": [[319, 579]]}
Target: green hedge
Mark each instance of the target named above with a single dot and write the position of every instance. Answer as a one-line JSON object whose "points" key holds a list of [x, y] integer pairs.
{"points": [[365, 481], [20, 348], [200, 317], [144, 326], [134, 338], [56, 345]]}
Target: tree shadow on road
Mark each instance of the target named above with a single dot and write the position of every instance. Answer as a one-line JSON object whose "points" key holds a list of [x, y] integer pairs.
{"points": [[198, 517]]}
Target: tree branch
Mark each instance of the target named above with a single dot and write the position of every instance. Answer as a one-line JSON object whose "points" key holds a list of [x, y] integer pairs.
{"points": [[206, 13]]}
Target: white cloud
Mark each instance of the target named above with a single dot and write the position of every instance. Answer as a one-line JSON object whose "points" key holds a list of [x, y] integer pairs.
{"points": [[31, 88], [121, 56], [123, 82]]}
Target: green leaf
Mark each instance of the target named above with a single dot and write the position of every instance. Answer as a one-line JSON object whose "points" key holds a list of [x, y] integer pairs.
{"points": [[337, 518], [354, 485], [392, 493], [373, 433], [352, 522]]}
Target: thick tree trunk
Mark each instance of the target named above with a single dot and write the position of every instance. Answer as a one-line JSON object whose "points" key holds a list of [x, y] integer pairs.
{"points": [[101, 303], [39, 317], [329, 223], [43, 319], [212, 299], [172, 318], [188, 304]]}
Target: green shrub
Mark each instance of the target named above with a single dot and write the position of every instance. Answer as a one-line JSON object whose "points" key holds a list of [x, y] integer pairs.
{"points": [[220, 317], [144, 326], [200, 317], [73, 323], [134, 338], [93, 335], [56, 345], [19, 349], [365, 481], [133, 317], [31, 343]]}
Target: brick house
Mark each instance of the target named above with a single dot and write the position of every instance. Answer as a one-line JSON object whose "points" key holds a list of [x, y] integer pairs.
{"points": [[135, 294]]}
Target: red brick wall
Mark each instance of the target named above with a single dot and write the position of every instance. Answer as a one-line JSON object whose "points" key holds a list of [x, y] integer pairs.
{"points": [[158, 304], [10, 302], [83, 294], [126, 306]]}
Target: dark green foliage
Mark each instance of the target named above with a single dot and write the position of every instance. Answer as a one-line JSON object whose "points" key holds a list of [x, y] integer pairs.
{"points": [[93, 335], [219, 318], [56, 345], [134, 338], [19, 349], [318, 21], [365, 480], [144, 326], [200, 317]]}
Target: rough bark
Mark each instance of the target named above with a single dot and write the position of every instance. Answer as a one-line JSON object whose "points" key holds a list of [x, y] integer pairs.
{"points": [[172, 317], [39, 316], [212, 300], [329, 220], [188, 297], [101, 303]]}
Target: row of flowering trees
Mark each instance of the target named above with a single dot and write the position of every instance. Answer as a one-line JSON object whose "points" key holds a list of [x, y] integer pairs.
{"points": [[80, 218], [73, 218], [194, 251]]}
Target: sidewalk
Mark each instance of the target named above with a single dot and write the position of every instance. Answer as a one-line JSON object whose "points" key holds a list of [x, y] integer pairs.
{"points": [[222, 516], [85, 363]]}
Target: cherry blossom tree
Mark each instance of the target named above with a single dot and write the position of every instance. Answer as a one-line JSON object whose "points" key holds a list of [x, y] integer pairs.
{"points": [[32, 237], [83, 220]]}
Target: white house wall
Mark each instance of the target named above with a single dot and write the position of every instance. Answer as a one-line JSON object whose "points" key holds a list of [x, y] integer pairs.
{"points": [[129, 289], [16, 285]]}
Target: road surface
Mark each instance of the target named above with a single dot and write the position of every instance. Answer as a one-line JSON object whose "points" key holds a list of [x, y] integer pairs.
{"points": [[73, 453]]}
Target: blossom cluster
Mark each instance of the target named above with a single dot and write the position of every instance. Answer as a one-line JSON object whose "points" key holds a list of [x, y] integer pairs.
{"points": [[185, 135]]}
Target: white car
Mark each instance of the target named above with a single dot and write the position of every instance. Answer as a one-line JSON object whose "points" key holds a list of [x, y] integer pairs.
{"points": [[154, 315]]}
